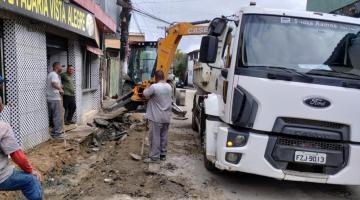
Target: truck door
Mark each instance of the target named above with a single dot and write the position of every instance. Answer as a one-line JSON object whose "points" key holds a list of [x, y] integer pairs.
{"points": [[222, 82]]}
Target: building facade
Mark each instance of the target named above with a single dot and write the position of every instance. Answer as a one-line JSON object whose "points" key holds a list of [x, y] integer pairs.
{"points": [[32, 37], [340, 7], [192, 60]]}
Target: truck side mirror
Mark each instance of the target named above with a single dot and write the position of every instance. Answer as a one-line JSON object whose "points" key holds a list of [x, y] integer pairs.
{"points": [[208, 49], [217, 27]]}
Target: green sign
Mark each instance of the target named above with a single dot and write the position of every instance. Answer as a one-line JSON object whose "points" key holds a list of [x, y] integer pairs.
{"points": [[55, 12]]}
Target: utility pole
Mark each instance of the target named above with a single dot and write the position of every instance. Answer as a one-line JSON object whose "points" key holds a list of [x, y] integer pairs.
{"points": [[125, 17]]}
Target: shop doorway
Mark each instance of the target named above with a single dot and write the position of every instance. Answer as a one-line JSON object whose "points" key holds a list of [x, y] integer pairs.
{"points": [[57, 51]]}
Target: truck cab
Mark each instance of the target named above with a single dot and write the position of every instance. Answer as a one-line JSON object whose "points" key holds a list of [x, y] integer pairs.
{"points": [[277, 95]]}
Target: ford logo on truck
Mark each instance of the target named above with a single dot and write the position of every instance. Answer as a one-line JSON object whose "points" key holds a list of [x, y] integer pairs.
{"points": [[317, 102]]}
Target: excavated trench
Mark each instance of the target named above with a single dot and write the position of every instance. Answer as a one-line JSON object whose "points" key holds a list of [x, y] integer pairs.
{"points": [[101, 168]]}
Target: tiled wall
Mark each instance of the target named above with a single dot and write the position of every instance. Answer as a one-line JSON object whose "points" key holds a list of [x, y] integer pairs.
{"points": [[75, 59], [25, 60], [95, 82], [26, 71], [85, 101]]}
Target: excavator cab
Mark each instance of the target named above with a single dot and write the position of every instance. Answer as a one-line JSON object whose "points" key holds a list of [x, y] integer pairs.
{"points": [[141, 64], [142, 61]]}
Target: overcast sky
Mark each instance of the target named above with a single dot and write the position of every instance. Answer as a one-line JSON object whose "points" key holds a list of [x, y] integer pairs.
{"points": [[194, 10]]}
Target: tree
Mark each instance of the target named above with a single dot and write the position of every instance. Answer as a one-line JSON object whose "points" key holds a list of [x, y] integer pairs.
{"points": [[180, 65]]}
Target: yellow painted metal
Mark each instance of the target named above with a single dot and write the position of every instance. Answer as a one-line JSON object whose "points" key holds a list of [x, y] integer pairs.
{"points": [[166, 51]]}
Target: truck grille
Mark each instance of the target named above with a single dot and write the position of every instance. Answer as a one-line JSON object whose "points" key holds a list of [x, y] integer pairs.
{"points": [[313, 123], [310, 144]]}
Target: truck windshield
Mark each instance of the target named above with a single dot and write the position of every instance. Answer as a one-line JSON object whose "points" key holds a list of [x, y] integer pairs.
{"points": [[308, 46], [141, 63]]}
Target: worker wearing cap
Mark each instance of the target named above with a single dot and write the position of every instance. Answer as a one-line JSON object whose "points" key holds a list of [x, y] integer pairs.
{"points": [[27, 180], [158, 113]]}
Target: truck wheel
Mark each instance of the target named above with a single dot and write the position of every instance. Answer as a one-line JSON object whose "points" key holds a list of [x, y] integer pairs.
{"points": [[210, 166], [202, 124], [193, 123]]}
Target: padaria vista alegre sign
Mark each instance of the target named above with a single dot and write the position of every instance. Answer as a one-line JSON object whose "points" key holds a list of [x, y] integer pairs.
{"points": [[54, 12]]}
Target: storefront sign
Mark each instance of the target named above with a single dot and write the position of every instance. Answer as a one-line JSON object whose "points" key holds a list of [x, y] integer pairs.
{"points": [[56, 12]]}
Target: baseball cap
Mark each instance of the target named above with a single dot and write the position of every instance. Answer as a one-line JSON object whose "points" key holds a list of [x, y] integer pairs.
{"points": [[2, 80]]}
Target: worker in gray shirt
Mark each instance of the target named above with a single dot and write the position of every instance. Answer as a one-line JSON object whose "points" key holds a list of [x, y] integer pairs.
{"points": [[158, 113], [54, 91]]}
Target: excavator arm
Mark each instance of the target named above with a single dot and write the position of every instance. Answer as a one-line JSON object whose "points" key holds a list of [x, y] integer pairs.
{"points": [[168, 45]]}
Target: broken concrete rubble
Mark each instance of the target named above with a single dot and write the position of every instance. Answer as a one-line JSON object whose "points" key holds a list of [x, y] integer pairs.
{"points": [[101, 122], [114, 128]]}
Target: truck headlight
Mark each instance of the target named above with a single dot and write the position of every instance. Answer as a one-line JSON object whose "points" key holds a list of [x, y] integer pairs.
{"points": [[240, 140], [233, 158], [236, 139]]}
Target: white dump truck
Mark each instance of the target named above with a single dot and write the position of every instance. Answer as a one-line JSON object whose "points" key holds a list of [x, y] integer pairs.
{"points": [[278, 95]]}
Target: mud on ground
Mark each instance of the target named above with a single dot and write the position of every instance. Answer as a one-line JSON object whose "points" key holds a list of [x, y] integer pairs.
{"points": [[111, 173], [85, 171]]}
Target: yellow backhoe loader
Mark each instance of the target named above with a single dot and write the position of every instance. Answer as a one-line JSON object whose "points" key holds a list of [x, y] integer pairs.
{"points": [[165, 55]]}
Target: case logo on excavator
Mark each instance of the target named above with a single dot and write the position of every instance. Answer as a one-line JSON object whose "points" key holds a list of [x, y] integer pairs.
{"points": [[199, 30]]}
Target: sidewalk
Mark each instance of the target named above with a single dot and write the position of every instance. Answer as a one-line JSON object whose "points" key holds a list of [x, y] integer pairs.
{"points": [[53, 155]]}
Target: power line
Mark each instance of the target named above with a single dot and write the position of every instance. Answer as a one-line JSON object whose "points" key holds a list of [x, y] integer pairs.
{"points": [[137, 24], [144, 19], [129, 6]]}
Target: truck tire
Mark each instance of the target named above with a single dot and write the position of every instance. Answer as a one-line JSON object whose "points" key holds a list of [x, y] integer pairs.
{"points": [[210, 166], [202, 124], [193, 123]]}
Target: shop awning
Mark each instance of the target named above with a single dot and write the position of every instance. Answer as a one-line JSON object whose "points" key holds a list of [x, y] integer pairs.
{"points": [[94, 50], [105, 23], [112, 43]]}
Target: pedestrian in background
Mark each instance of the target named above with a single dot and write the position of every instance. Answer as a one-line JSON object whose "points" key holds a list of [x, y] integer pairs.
{"points": [[27, 180], [67, 79], [53, 94], [158, 113]]}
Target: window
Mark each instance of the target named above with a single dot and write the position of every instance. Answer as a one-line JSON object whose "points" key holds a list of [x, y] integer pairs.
{"points": [[310, 46], [86, 70], [2, 71]]}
